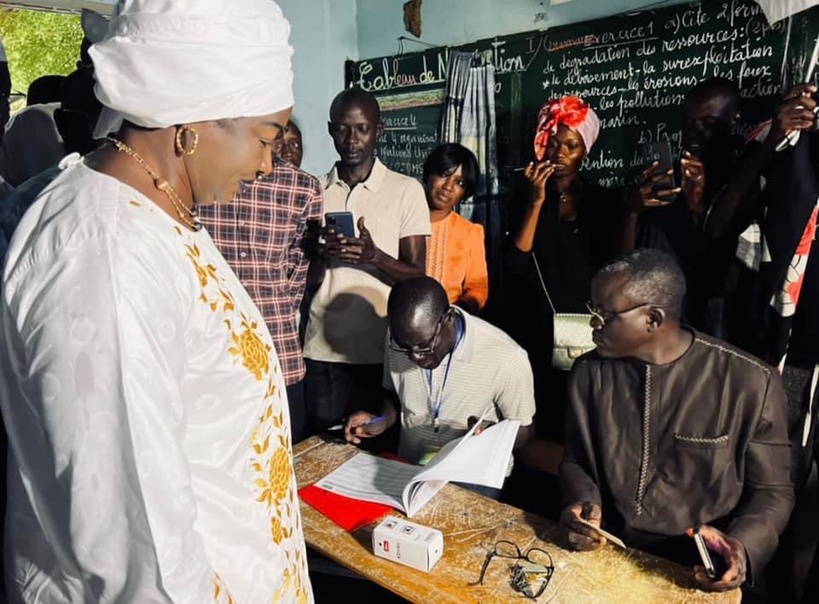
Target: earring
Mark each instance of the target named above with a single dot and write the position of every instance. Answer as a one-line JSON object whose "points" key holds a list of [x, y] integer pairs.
{"points": [[179, 140]]}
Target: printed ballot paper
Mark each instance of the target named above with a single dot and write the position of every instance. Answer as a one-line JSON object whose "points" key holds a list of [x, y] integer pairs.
{"points": [[408, 543], [473, 459]]}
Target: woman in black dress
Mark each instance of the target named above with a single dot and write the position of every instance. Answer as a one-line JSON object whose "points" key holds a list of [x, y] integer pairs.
{"points": [[568, 230]]}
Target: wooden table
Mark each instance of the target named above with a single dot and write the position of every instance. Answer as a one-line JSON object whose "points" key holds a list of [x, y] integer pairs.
{"points": [[471, 525]]}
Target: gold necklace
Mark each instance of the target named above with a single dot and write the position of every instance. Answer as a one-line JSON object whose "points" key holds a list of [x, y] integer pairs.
{"points": [[563, 197], [189, 216]]}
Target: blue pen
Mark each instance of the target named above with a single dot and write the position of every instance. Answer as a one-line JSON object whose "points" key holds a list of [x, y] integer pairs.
{"points": [[374, 420]]}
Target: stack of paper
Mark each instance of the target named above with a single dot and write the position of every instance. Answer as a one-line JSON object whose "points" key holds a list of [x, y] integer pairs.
{"points": [[474, 459]]}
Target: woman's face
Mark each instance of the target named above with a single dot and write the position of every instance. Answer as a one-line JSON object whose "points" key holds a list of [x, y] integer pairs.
{"points": [[231, 152], [291, 146], [566, 150], [445, 191]]}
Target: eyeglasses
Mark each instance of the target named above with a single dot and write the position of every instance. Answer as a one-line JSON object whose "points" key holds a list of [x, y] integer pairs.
{"points": [[606, 316], [531, 572], [420, 351]]}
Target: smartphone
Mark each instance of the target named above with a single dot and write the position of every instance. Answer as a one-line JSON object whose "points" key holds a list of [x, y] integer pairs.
{"points": [[712, 569], [341, 222], [660, 151]]}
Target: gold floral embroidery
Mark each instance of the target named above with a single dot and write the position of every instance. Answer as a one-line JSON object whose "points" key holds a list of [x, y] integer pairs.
{"points": [[277, 531], [254, 353], [272, 464], [218, 588], [274, 469], [279, 475], [205, 272], [270, 459], [292, 582]]}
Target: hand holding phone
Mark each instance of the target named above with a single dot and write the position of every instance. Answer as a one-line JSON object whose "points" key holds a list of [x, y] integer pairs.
{"points": [[725, 562], [341, 222], [660, 152], [655, 186], [705, 556]]}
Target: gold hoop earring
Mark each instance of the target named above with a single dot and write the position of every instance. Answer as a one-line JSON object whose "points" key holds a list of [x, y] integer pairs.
{"points": [[179, 143]]}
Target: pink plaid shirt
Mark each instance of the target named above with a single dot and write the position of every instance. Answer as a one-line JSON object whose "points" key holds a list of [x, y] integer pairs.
{"points": [[261, 235]]}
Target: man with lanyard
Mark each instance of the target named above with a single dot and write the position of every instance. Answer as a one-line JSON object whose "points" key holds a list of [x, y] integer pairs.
{"points": [[443, 369]]}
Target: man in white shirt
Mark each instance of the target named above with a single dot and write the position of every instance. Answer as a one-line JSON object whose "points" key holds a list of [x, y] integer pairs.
{"points": [[443, 369], [344, 340]]}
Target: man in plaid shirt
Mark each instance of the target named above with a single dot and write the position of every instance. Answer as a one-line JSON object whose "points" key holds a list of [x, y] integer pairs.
{"points": [[263, 235]]}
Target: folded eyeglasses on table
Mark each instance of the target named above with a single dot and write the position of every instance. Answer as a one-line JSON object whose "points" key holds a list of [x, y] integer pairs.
{"points": [[531, 571]]}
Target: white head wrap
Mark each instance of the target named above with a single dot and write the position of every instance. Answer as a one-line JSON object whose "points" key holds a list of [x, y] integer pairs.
{"points": [[168, 62]]}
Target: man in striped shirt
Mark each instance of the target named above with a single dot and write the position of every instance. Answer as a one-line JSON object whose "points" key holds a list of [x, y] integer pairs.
{"points": [[443, 368], [264, 235]]}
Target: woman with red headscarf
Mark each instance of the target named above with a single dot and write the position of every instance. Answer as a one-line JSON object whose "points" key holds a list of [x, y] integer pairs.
{"points": [[567, 232]]}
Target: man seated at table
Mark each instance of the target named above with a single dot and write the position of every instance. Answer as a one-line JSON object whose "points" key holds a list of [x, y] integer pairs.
{"points": [[669, 429], [443, 368]]}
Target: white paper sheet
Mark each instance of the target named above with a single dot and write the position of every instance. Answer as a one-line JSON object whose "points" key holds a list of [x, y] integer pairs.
{"points": [[480, 459]]}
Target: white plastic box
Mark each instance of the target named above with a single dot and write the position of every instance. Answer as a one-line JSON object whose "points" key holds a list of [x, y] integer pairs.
{"points": [[408, 543]]}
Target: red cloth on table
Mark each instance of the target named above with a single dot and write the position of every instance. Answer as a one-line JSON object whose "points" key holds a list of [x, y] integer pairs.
{"points": [[349, 514]]}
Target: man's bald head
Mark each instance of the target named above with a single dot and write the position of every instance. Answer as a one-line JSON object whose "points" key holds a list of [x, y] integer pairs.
{"points": [[355, 97], [416, 305]]}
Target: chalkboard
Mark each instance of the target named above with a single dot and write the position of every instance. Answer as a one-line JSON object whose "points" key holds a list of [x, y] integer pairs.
{"points": [[633, 69], [410, 129]]}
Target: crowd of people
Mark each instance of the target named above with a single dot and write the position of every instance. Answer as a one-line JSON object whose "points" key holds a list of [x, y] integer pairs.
{"points": [[176, 314]]}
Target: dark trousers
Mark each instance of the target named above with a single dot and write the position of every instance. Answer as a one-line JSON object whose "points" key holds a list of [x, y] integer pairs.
{"points": [[298, 414], [334, 390]]}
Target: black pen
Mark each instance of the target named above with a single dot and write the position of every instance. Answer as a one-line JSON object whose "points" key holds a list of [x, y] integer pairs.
{"points": [[526, 166]]}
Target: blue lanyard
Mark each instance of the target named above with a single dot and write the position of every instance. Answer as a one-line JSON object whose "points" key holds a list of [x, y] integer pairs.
{"points": [[438, 401]]}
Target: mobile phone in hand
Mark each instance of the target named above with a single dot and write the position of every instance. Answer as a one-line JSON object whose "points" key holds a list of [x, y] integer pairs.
{"points": [[714, 568], [341, 222], [660, 151]]}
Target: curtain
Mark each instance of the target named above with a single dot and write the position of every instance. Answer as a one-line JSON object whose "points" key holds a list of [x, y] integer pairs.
{"points": [[776, 10], [469, 119]]}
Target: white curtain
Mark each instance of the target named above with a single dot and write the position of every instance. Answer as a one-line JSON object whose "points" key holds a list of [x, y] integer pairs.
{"points": [[776, 10]]}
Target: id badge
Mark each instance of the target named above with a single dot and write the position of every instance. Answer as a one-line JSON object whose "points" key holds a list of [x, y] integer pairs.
{"points": [[430, 451]]}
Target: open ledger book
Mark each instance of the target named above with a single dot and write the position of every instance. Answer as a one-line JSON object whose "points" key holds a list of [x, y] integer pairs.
{"points": [[481, 459]]}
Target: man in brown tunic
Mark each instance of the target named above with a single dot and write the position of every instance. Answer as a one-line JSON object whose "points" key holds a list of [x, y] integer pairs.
{"points": [[671, 430]]}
